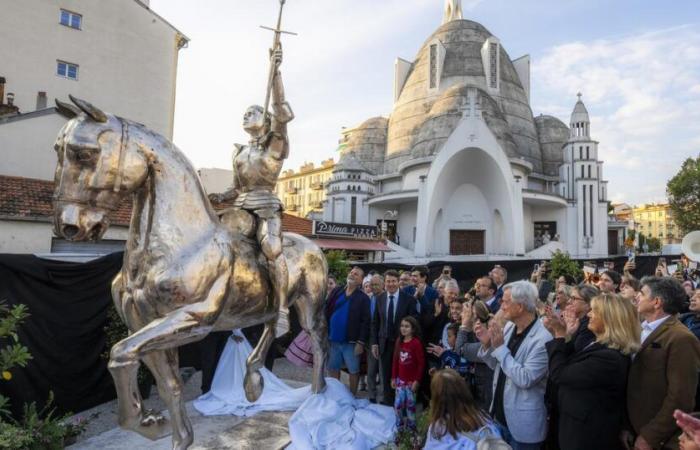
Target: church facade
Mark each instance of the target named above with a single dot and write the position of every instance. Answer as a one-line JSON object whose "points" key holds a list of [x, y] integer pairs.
{"points": [[462, 167]]}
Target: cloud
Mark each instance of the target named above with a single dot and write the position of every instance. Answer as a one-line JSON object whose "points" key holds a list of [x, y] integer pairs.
{"points": [[643, 94]]}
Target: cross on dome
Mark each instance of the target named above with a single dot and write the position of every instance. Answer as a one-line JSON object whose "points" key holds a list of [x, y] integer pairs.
{"points": [[579, 96]]}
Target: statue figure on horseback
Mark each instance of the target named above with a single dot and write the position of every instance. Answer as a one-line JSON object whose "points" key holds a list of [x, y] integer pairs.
{"points": [[186, 271], [256, 167]]}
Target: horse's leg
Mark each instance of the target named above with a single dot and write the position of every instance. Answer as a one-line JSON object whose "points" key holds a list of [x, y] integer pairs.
{"points": [[188, 324], [165, 368], [253, 382], [313, 322]]}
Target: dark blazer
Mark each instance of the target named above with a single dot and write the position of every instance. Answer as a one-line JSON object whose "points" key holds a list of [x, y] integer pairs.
{"points": [[359, 320], [496, 305], [592, 388], [663, 377], [432, 326], [582, 337], [405, 306]]}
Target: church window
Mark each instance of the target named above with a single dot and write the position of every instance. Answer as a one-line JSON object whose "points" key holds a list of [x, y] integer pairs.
{"points": [[580, 153], [67, 70], [582, 168], [433, 66], [585, 207], [493, 65], [589, 171], [588, 154], [353, 209], [590, 206], [70, 19]]}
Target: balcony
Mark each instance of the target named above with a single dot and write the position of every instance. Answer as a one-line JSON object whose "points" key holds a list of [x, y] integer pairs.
{"points": [[317, 204], [317, 186], [291, 190], [292, 208]]}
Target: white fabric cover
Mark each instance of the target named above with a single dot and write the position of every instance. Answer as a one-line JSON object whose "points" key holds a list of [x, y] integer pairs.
{"points": [[333, 419]]}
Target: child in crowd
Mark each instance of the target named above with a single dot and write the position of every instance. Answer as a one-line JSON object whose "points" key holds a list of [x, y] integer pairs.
{"points": [[407, 370], [456, 422], [449, 358]]}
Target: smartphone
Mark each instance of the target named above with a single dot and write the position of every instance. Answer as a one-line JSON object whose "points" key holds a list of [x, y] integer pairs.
{"points": [[589, 269], [662, 261], [631, 257], [693, 265], [536, 268], [672, 268]]}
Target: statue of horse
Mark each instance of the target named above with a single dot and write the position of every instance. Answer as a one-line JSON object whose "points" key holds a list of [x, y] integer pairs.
{"points": [[185, 273]]}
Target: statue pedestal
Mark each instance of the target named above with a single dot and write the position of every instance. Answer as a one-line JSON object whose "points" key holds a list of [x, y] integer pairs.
{"points": [[266, 430]]}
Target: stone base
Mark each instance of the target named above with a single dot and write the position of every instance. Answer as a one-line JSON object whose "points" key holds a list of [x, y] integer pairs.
{"points": [[266, 430]]}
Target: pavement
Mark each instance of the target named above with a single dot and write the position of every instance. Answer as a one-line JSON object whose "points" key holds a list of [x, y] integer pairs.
{"points": [[221, 432]]}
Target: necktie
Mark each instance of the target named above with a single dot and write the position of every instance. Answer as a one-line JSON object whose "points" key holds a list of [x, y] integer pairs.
{"points": [[390, 319]]}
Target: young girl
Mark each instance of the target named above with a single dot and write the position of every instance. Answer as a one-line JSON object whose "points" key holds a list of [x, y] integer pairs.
{"points": [[407, 371], [455, 419]]}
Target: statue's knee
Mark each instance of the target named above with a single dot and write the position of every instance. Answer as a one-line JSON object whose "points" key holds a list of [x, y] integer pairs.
{"points": [[271, 247]]}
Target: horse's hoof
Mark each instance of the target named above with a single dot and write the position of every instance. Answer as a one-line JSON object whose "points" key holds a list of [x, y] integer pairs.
{"points": [[153, 425], [253, 384]]}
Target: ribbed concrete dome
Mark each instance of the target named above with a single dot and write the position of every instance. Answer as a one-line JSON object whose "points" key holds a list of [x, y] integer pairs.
{"points": [[368, 143], [445, 115], [553, 134], [463, 40]]}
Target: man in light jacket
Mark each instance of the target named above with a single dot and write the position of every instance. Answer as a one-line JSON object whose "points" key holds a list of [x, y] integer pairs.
{"points": [[518, 355]]}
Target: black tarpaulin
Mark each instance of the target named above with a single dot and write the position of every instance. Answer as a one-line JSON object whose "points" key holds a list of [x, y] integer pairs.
{"points": [[68, 304]]}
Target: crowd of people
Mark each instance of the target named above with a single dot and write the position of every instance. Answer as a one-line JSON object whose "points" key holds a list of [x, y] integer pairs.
{"points": [[535, 364]]}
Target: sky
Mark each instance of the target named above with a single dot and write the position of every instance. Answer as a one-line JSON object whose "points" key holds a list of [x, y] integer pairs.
{"points": [[636, 62]]}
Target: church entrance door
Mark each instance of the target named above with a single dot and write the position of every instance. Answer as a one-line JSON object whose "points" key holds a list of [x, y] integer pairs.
{"points": [[467, 242]]}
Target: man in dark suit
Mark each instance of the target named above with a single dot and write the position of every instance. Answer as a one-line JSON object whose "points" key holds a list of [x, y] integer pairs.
{"points": [[392, 306], [664, 373], [499, 275]]}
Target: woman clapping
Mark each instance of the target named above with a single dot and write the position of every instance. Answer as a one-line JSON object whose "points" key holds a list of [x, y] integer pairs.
{"points": [[592, 381]]}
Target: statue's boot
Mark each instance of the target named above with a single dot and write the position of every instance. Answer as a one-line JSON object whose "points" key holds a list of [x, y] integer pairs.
{"points": [[280, 284]]}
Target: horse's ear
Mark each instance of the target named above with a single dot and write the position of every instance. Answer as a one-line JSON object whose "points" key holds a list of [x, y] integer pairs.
{"points": [[96, 114], [66, 109]]}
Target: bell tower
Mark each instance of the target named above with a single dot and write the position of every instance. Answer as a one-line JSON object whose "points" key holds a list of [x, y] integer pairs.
{"points": [[453, 11]]}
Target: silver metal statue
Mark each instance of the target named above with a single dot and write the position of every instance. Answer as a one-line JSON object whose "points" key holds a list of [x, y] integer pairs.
{"points": [[186, 272], [256, 168]]}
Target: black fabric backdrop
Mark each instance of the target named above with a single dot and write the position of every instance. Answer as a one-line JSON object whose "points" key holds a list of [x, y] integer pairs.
{"points": [[68, 305]]}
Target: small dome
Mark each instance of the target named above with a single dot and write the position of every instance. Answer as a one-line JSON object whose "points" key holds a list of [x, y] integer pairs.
{"points": [[348, 161], [580, 113], [553, 135], [367, 142]]}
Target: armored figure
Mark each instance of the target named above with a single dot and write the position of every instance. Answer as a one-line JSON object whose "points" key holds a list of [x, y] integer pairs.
{"points": [[256, 167]]}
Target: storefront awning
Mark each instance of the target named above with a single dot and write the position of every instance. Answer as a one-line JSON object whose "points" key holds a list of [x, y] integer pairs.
{"points": [[352, 244]]}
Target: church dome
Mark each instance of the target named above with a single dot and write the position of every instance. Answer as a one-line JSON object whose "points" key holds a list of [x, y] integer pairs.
{"points": [[553, 134], [463, 42], [349, 162], [445, 115], [367, 142]]}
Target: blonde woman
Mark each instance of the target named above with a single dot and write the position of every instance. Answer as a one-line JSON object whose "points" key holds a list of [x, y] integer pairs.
{"points": [[592, 382]]}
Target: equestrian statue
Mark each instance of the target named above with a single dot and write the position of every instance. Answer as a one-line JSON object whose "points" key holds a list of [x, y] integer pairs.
{"points": [[187, 271]]}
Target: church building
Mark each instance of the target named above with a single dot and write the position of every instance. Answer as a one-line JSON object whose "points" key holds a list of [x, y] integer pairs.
{"points": [[462, 167]]}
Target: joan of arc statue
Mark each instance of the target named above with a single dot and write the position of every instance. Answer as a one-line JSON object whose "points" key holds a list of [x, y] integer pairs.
{"points": [[256, 167]]}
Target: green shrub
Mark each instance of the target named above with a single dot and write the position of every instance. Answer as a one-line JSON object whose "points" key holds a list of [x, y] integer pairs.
{"points": [[338, 265], [36, 429], [562, 264]]}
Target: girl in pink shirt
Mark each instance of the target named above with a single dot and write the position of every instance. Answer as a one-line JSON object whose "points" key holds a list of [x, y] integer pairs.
{"points": [[407, 371]]}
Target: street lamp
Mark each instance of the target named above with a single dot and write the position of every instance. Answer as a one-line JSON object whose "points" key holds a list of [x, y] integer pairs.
{"points": [[587, 243]]}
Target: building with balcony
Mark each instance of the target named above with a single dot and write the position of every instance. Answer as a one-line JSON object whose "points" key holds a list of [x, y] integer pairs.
{"points": [[656, 220], [462, 166], [303, 191]]}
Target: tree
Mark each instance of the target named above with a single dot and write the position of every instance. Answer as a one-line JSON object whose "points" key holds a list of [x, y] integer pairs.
{"points": [[338, 266], [683, 192], [562, 264], [654, 244]]}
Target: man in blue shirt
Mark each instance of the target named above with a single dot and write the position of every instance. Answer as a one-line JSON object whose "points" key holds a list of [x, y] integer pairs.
{"points": [[348, 316]]}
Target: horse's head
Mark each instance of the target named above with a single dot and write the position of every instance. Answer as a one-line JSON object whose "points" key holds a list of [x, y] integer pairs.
{"points": [[96, 168]]}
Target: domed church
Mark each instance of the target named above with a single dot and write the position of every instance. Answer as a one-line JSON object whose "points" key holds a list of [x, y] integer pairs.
{"points": [[461, 166]]}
